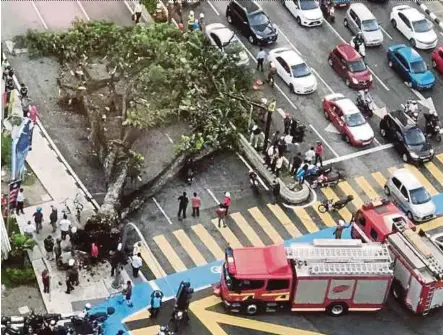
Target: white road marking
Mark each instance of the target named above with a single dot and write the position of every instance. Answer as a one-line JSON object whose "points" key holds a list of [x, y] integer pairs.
{"points": [[213, 7], [386, 33], [39, 15], [169, 138], [377, 142], [154, 285], [323, 140], [324, 82], [250, 168], [426, 102], [83, 10], [379, 80], [213, 196], [162, 210], [331, 129], [359, 154]]}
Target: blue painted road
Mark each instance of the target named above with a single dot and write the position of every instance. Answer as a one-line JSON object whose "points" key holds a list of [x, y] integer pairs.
{"points": [[438, 201], [200, 277]]}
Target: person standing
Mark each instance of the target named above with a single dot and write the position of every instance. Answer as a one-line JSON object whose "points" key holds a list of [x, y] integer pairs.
{"points": [[196, 202], [156, 303], [309, 155], [182, 204], [53, 218], [221, 213], [38, 219], [287, 121], [255, 136], [296, 162], [20, 202], [127, 293], [137, 12], [65, 225], [191, 20], [136, 264], [48, 243], [57, 250], [275, 138], [339, 230], [29, 230], [319, 149], [278, 165], [116, 259], [270, 154], [227, 202], [275, 191], [69, 279], [45, 280], [261, 59], [94, 252]]}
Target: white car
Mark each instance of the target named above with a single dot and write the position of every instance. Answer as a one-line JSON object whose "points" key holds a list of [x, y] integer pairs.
{"points": [[293, 70], [414, 26], [306, 12], [226, 40]]}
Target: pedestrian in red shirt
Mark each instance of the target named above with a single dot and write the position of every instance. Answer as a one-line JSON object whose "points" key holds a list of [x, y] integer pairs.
{"points": [[45, 280], [94, 252], [319, 153], [227, 202], [196, 202], [221, 213]]}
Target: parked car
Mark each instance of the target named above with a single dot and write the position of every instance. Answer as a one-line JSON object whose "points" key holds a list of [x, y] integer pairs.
{"points": [[252, 21], [341, 3], [359, 19], [348, 119], [408, 138], [410, 195], [408, 63], [306, 12], [349, 64], [414, 26], [437, 59], [226, 40], [293, 70]]}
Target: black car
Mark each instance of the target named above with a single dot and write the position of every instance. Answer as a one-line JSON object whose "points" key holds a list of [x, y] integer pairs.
{"points": [[408, 139], [252, 21]]}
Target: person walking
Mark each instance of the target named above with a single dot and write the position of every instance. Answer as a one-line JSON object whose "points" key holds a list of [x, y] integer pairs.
{"points": [[156, 303], [136, 264], [319, 149], [137, 12], [221, 213], [309, 155], [296, 162], [182, 204], [20, 202], [278, 165], [29, 230], [65, 226], [116, 258], [69, 278], [127, 293], [53, 218], [275, 191], [261, 59], [38, 219], [196, 202], [45, 280], [48, 243], [227, 202], [57, 250]]}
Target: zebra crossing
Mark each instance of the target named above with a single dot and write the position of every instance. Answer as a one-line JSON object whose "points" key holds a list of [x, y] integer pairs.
{"points": [[203, 242]]}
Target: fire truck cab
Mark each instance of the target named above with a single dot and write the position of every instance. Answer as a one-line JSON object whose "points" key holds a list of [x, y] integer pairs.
{"points": [[375, 220], [336, 276]]}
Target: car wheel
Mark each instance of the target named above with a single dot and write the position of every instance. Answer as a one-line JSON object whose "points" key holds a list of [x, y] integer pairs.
{"points": [[229, 19], [326, 114], [434, 64], [382, 132], [298, 20], [337, 309], [394, 23], [410, 216], [412, 42], [348, 82], [345, 23], [291, 87], [251, 39], [390, 63], [387, 190], [405, 158], [330, 61]]}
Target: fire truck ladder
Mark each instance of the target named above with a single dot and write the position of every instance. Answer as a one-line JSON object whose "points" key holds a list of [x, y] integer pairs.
{"points": [[350, 268], [429, 299], [400, 224], [336, 253]]}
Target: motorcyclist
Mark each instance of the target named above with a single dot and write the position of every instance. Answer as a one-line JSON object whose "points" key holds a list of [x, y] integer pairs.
{"points": [[364, 98], [431, 122], [411, 108], [357, 41], [272, 71], [201, 21], [191, 20]]}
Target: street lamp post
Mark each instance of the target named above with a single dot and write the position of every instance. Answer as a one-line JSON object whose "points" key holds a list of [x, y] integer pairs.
{"points": [[271, 109]]}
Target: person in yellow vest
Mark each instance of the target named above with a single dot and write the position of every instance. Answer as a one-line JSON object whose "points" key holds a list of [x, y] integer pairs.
{"points": [[191, 20]]}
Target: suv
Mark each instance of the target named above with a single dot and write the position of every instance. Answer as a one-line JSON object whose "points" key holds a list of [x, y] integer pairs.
{"points": [[249, 17], [407, 137], [410, 195]]}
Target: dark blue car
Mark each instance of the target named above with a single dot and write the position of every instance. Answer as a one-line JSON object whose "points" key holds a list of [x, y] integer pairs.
{"points": [[410, 66]]}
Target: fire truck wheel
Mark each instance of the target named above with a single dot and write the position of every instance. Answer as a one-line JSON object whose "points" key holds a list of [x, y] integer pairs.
{"points": [[337, 309], [252, 308]]}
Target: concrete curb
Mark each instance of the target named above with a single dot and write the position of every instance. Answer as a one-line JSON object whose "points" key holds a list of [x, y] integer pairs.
{"points": [[433, 17]]}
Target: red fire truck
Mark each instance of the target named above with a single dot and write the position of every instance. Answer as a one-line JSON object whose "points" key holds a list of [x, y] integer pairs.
{"points": [[418, 261], [326, 275]]}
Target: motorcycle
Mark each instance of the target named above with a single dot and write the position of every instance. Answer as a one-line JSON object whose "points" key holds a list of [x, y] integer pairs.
{"points": [[36, 321], [432, 126], [328, 11], [178, 319], [329, 205], [411, 109], [325, 180], [366, 105], [361, 49]]}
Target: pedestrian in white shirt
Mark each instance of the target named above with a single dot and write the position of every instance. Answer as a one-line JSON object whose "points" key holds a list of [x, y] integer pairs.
{"points": [[29, 230], [310, 155], [65, 226], [136, 263], [20, 202], [137, 12], [260, 59]]}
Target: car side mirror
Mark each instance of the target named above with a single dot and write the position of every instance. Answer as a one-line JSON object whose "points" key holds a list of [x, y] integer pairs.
{"points": [[407, 199]]}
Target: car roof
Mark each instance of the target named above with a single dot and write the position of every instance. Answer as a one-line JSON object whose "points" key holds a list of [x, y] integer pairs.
{"points": [[289, 55], [249, 5], [223, 32], [410, 54], [362, 11], [347, 106], [348, 52], [412, 14], [404, 121], [407, 178]]}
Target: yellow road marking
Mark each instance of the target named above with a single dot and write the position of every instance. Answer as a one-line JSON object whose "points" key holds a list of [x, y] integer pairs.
{"points": [[266, 225], [306, 219], [152, 262], [208, 241], [440, 157], [433, 169], [367, 188], [169, 253], [153, 330], [284, 220], [140, 315], [348, 190], [325, 217], [433, 224], [250, 234], [379, 178], [190, 248], [228, 235], [422, 179], [330, 194], [392, 169]]}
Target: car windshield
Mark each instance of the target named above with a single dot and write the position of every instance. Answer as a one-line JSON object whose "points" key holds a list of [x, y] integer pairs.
{"points": [[419, 196], [308, 4], [418, 67], [415, 137], [258, 19], [357, 66], [369, 25], [300, 70], [355, 120], [422, 26]]}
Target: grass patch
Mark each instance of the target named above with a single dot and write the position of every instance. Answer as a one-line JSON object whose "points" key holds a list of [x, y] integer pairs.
{"points": [[12, 225], [12, 277], [29, 177]]}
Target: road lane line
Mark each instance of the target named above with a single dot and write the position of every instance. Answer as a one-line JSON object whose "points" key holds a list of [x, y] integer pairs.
{"points": [[322, 80], [379, 80], [208, 241], [250, 168], [324, 141], [306, 220], [169, 253], [379, 178], [358, 154], [169, 138], [161, 210], [386, 33], [213, 196], [244, 226], [228, 235], [213, 7], [39, 15], [83, 10], [190, 248], [284, 220], [265, 225]]}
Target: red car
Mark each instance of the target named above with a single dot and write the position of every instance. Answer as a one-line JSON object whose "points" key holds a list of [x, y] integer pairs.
{"points": [[437, 59], [348, 120], [349, 64]]}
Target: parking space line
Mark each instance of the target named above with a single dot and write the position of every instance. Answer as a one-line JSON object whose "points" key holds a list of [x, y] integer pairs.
{"points": [[324, 141], [306, 219], [83, 10], [244, 226], [39, 15], [213, 7], [265, 225], [284, 220], [386, 33], [190, 248], [228, 235], [169, 253], [208, 241], [162, 210]]}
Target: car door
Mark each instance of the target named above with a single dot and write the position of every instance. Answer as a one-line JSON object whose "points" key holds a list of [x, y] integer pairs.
{"points": [[339, 63], [399, 142], [403, 67], [390, 129], [439, 59], [395, 187], [283, 69], [353, 26], [292, 6], [404, 198], [404, 25], [335, 115]]}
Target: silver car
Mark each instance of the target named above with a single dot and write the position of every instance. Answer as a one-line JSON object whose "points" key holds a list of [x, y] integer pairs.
{"points": [[410, 196], [359, 19]]}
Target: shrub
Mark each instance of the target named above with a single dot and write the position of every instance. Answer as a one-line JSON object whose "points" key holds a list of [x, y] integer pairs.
{"points": [[20, 276], [6, 150], [150, 5]]}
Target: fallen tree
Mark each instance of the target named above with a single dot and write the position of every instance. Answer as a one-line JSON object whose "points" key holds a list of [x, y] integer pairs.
{"points": [[129, 79]]}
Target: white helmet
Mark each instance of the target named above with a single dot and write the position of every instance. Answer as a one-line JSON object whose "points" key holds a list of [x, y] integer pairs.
{"points": [[271, 64], [71, 262], [341, 223], [88, 305], [202, 16], [191, 13]]}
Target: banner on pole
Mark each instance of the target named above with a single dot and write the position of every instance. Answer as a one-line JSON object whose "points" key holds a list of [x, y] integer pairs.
{"points": [[14, 188]]}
